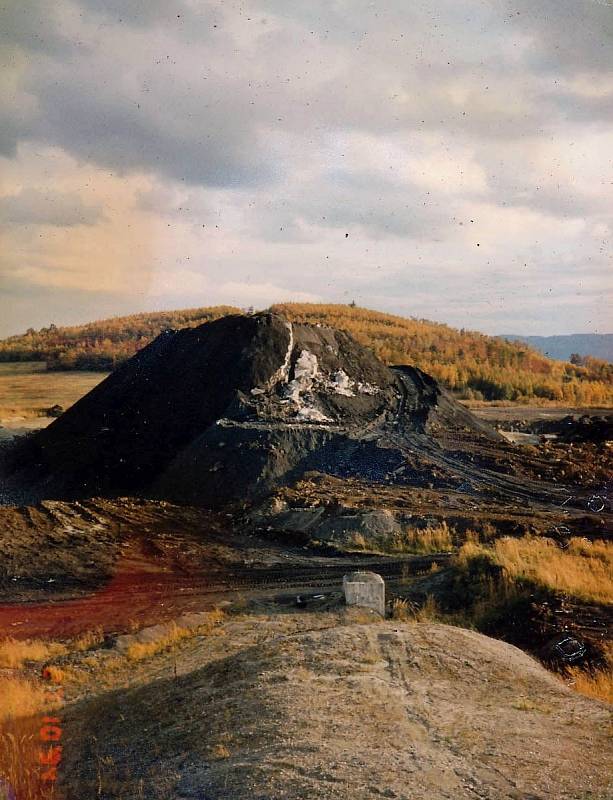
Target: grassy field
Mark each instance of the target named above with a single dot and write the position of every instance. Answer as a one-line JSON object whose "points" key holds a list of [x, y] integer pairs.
{"points": [[583, 571], [27, 389]]}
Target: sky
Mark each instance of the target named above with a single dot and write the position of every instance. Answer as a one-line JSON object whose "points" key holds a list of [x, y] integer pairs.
{"points": [[447, 160]]}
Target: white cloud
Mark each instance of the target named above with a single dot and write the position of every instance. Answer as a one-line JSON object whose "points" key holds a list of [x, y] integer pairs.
{"points": [[438, 159]]}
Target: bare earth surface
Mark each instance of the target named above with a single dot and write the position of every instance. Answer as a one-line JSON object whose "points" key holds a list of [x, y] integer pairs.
{"points": [[408, 711], [502, 414]]}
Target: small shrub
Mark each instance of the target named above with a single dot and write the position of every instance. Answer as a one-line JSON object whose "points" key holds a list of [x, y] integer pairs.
{"points": [[429, 611], [88, 640], [402, 610], [358, 541]]}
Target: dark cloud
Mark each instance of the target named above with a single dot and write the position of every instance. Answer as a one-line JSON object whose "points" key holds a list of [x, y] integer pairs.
{"points": [[163, 88], [33, 26], [142, 13], [34, 207], [347, 200], [569, 36]]}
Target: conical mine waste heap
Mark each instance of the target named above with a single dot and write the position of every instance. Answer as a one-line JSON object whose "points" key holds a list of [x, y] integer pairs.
{"points": [[227, 411]]}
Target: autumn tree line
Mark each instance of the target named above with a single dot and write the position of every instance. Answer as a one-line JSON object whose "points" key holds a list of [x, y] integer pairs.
{"points": [[471, 364]]}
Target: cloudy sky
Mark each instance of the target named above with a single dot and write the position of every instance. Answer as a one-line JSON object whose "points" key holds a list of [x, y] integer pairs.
{"points": [[449, 160]]}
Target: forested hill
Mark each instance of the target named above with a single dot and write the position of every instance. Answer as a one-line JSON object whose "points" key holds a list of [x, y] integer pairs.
{"points": [[472, 364]]}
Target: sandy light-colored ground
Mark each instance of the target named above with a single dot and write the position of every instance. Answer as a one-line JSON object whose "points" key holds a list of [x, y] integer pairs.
{"points": [[316, 706]]}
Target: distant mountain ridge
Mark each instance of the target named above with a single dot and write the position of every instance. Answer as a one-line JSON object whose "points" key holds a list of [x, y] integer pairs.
{"points": [[597, 345]]}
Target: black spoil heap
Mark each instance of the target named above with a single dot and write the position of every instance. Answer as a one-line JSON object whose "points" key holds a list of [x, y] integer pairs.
{"points": [[226, 411]]}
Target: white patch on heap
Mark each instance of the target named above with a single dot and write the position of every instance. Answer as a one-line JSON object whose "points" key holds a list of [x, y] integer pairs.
{"points": [[342, 384], [368, 388], [308, 378], [306, 372], [311, 414]]}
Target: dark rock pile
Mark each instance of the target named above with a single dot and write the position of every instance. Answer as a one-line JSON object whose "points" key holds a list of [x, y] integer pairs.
{"points": [[225, 411]]}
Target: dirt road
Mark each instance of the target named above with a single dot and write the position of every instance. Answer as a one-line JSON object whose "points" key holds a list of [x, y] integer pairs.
{"points": [[149, 588]]}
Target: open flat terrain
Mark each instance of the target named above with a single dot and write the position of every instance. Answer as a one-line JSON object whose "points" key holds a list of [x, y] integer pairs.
{"points": [[27, 390]]}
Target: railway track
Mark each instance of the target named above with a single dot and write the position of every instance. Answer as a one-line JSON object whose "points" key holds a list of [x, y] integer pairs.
{"points": [[332, 573]]}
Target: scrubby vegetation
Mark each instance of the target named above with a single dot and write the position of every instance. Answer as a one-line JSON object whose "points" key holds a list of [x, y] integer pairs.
{"points": [[420, 541], [14, 653], [21, 697], [584, 570], [594, 683], [475, 366], [23, 702], [174, 635], [496, 586]]}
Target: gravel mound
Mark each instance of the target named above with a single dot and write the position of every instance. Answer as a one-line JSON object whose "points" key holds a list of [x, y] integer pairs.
{"points": [[389, 710]]}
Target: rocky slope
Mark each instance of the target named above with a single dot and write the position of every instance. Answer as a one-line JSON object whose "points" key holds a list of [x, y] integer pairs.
{"points": [[226, 411]]}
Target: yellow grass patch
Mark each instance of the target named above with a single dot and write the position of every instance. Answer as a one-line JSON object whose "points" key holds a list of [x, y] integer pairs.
{"points": [[584, 570], [23, 704], [14, 653], [175, 634], [20, 697], [598, 685], [88, 640], [436, 539], [428, 540], [140, 650]]}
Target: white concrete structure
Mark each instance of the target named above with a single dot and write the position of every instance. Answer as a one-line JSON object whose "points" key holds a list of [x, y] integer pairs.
{"points": [[366, 589]]}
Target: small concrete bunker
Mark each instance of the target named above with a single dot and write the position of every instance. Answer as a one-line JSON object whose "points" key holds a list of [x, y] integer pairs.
{"points": [[365, 589]]}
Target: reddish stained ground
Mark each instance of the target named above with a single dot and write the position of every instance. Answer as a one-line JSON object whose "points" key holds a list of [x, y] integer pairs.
{"points": [[144, 590]]}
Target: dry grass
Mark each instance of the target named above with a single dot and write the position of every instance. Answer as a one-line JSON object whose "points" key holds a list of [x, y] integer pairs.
{"points": [[140, 650], [18, 762], [26, 389], [14, 653], [428, 540], [402, 610], [88, 640], [598, 684], [56, 675], [584, 570], [429, 611], [436, 539], [20, 697], [175, 634], [22, 706], [406, 611], [358, 541], [440, 538]]}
